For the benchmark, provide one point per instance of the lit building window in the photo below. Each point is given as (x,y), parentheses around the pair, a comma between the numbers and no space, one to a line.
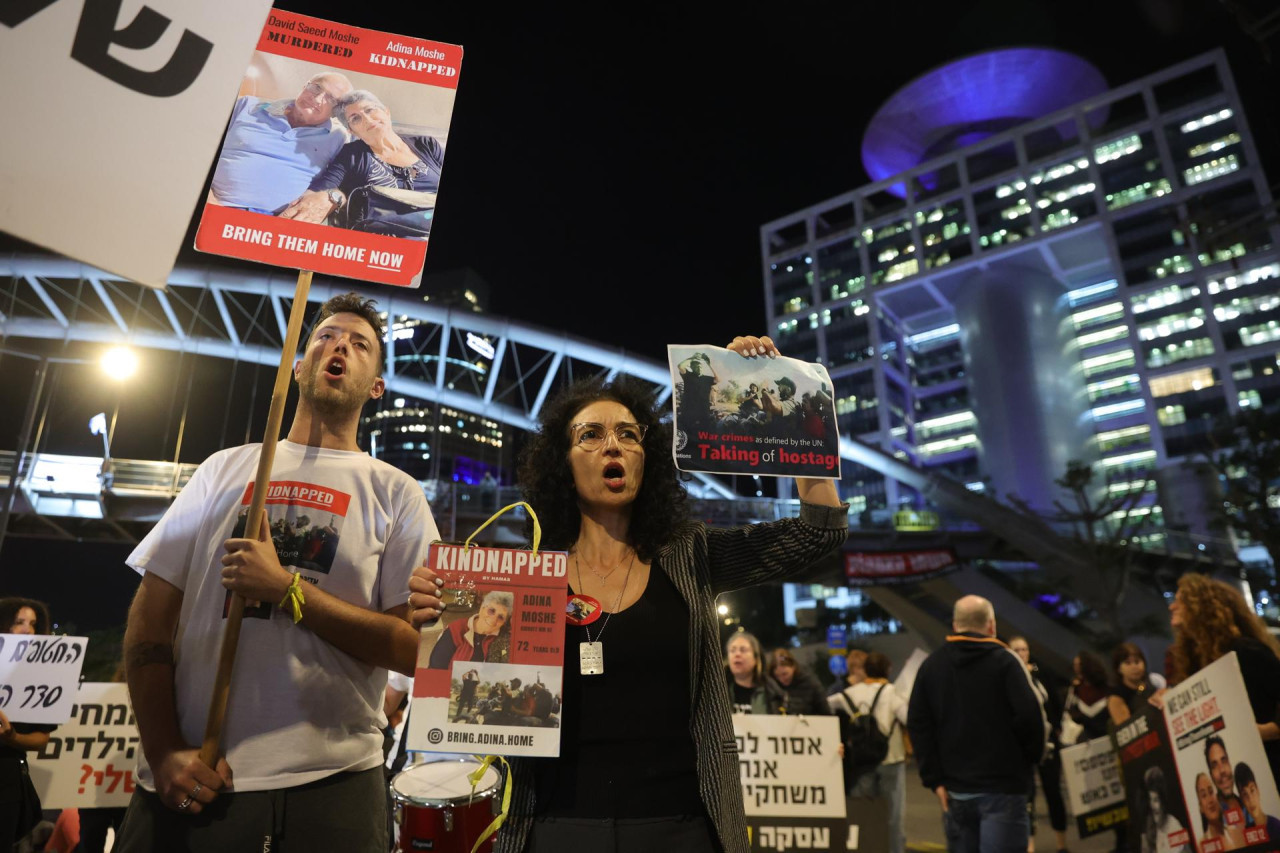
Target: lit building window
(1116,149)
(1090,292)
(1162,298)
(1108,361)
(1261,334)
(1173,353)
(1171,415)
(1098,314)
(1249,399)
(1215,146)
(1125,437)
(1172,324)
(1211,169)
(1116,410)
(945,423)
(948,445)
(1128,384)
(1244,279)
(1206,120)
(1246,305)
(1178,383)
(1102,336)
(1137,193)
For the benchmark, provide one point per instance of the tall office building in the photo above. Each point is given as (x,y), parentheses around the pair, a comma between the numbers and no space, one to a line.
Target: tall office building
(1045,269)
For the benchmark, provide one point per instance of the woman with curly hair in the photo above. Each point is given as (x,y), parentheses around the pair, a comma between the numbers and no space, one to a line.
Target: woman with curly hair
(647,751)
(1210,619)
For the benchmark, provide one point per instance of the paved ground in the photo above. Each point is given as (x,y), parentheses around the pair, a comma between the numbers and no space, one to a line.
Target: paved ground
(924,824)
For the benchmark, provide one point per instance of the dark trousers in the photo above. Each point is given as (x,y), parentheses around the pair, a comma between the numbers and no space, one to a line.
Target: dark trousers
(988,823)
(627,835)
(344,813)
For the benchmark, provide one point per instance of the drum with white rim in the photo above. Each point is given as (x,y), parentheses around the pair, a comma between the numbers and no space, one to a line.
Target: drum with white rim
(436,808)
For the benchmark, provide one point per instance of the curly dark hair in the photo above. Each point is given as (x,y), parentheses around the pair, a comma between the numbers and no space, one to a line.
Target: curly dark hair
(1092,670)
(9,608)
(1214,614)
(546,480)
(365,309)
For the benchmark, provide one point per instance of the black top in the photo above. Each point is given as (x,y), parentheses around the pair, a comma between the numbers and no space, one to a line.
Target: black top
(625,749)
(11,759)
(1134,699)
(1260,670)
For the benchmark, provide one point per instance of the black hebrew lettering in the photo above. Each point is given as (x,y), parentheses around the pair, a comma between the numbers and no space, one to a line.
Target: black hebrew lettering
(84,714)
(97,32)
(111,709)
(8,694)
(51,749)
(133,741)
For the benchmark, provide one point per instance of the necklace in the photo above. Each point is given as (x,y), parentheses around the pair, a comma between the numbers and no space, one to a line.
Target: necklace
(577,558)
(591,653)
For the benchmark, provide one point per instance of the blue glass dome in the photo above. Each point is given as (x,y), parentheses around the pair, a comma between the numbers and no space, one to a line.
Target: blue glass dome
(968,100)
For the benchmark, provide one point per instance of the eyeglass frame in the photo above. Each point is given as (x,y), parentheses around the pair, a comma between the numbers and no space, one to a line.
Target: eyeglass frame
(322,95)
(611,431)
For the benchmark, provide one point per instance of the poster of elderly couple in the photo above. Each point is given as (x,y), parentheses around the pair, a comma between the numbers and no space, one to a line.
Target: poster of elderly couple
(333,152)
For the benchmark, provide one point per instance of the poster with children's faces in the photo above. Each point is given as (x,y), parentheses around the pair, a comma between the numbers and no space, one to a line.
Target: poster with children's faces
(759,416)
(1225,778)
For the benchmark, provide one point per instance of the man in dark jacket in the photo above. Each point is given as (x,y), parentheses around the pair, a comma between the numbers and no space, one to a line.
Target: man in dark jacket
(978,731)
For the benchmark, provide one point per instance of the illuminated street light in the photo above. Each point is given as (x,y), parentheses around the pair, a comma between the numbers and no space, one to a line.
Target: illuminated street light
(119,362)
(723,610)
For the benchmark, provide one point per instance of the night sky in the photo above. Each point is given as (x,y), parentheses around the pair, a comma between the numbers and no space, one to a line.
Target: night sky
(609,177)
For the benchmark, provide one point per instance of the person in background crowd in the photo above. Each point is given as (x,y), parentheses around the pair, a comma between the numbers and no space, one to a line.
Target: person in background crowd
(1051,765)
(855,662)
(889,780)
(804,692)
(1211,824)
(1133,684)
(1251,797)
(1210,619)
(1159,824)
(752,690)
(1086,705)
(19,803)
(978,730)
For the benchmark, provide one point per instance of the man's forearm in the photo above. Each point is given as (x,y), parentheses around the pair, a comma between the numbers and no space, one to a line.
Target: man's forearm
(378,639)
(149,673)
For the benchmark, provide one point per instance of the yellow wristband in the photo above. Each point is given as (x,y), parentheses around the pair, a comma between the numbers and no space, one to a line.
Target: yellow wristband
(294,599)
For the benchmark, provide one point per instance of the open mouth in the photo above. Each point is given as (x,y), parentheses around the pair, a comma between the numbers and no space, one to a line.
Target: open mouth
(615,476)
(335,368)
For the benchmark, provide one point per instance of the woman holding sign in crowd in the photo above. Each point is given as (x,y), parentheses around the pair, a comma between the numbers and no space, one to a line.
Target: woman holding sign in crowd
(648,758)
(19,803)
(1211,619)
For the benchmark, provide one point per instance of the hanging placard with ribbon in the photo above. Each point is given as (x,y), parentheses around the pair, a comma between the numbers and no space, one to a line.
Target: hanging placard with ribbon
(489,675)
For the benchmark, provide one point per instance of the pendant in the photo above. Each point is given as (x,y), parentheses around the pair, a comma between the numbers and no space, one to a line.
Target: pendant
(591,658)
(582,609)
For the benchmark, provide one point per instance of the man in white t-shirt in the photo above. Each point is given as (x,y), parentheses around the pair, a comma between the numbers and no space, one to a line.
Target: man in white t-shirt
(303,726)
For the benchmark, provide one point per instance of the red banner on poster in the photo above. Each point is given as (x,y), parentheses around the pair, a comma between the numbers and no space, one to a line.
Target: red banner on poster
(870,569)
(333,154)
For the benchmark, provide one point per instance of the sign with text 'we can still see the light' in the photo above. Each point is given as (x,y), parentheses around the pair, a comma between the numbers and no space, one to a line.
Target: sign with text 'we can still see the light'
(334,151)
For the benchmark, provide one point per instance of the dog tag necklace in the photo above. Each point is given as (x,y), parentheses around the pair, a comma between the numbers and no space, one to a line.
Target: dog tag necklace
(591,653)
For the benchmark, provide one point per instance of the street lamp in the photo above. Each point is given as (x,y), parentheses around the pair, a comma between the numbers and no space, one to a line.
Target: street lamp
(118,362)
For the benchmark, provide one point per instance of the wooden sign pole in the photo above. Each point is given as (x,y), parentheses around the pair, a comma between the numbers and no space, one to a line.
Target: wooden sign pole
(253,522)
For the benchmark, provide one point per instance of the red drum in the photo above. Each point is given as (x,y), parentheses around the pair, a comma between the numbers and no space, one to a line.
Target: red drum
(436,810)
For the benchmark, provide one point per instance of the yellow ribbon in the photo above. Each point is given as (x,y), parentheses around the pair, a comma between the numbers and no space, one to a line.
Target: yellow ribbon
(475,777)
(537,528)
(294,599)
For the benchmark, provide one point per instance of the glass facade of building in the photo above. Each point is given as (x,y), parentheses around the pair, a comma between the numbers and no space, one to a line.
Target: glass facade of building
(1150,216)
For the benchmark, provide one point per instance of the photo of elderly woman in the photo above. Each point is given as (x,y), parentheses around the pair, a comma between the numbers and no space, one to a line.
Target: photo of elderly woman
(479,636)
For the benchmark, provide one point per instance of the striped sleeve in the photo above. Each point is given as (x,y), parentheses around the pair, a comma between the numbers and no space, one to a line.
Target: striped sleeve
(757,553)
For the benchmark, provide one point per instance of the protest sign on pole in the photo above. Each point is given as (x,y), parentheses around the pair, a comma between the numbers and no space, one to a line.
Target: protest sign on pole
(38,676)
(792,781)
(89,760)
(759,416)
(1095,792)
(126,116)
(506,606)
(1221,763)
(1157,815)
(309,181)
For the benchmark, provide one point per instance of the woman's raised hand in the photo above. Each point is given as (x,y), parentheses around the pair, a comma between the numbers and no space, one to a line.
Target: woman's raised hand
(750,346)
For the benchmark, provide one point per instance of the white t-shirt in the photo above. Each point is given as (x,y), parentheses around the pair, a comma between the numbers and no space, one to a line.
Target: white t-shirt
(300,709)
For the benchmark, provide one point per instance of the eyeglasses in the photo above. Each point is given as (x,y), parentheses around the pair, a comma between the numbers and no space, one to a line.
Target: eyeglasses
(592,436)
(323,97)
(495,614)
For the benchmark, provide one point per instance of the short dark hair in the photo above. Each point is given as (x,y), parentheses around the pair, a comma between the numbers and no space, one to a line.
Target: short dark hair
(1208,744)
(1123,652)
(364,308)
(546,480)
(1244,776)
(877,665)
(9,608)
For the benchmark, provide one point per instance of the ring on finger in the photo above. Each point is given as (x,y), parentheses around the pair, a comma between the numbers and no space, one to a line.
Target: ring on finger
(195,792)
(185,803)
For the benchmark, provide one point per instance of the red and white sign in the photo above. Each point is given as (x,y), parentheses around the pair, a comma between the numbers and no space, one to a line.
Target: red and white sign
(288,147)
(869,569)
(89,760)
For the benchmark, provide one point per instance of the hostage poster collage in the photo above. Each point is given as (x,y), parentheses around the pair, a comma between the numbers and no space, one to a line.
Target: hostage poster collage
(1195,774)
(333,154)
(761,416)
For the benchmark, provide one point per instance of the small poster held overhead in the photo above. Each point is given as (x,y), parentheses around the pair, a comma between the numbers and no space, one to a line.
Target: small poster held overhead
(759,416)
(333,156)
